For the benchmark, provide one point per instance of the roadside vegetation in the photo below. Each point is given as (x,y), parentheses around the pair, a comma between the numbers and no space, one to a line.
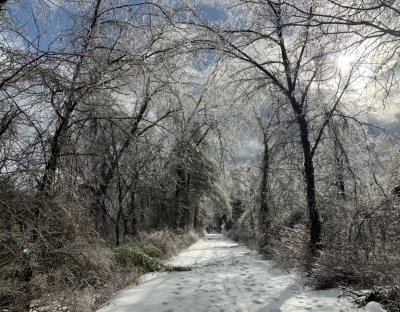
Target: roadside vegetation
(68,265)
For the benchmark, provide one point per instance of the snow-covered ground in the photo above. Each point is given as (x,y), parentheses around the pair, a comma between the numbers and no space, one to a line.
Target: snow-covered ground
(225,277)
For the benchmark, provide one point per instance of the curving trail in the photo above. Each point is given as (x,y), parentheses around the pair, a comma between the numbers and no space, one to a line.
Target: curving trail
(225,277)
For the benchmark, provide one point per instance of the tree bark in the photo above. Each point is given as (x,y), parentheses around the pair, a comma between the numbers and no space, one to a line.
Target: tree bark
(313,214)
(264,207)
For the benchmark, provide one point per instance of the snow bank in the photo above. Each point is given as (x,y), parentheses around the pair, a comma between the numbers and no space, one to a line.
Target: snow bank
(374,307)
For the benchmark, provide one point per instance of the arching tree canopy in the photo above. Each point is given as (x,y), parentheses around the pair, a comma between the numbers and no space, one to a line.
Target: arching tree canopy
(273,121)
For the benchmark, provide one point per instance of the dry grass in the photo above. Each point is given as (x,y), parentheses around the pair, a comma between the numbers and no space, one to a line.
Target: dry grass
(171,243)
(52,258)
(57,259)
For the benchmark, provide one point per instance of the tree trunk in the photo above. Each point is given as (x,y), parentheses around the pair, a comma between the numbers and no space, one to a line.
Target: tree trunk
(339,166)
(117,226)
(182,195)
(314,219)
(196,217)
(130,218)
(117,235)
(264,207)
(57,143)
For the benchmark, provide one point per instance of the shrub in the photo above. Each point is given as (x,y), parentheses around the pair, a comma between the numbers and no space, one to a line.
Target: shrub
(389,297)
(54,255)
(151,251)
(350,266)
(170,243)
(51,256)
(145,256)
(340,267)
(244,230)
(290,248)
(152,248)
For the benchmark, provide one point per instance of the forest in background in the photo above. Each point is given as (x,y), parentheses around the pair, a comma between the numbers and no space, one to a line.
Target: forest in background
(128,126)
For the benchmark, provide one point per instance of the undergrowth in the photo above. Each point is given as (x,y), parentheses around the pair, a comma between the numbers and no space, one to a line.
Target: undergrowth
(147,257)
(53,259)
(389,297)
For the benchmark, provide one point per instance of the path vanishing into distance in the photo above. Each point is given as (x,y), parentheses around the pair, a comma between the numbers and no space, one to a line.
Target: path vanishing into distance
(225,277)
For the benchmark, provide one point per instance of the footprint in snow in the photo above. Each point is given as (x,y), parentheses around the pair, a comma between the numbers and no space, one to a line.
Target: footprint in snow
(165,303)
(248,289)
(169,310)
(257,301)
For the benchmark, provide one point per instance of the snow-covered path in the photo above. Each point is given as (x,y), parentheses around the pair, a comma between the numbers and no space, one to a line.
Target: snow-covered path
(225,277)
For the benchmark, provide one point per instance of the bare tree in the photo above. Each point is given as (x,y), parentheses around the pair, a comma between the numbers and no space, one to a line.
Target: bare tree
(296,62)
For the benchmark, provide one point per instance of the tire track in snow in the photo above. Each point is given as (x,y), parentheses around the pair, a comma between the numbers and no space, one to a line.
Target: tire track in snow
(225,277)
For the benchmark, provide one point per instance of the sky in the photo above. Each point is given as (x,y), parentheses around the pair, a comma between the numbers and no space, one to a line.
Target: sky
(47,30)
